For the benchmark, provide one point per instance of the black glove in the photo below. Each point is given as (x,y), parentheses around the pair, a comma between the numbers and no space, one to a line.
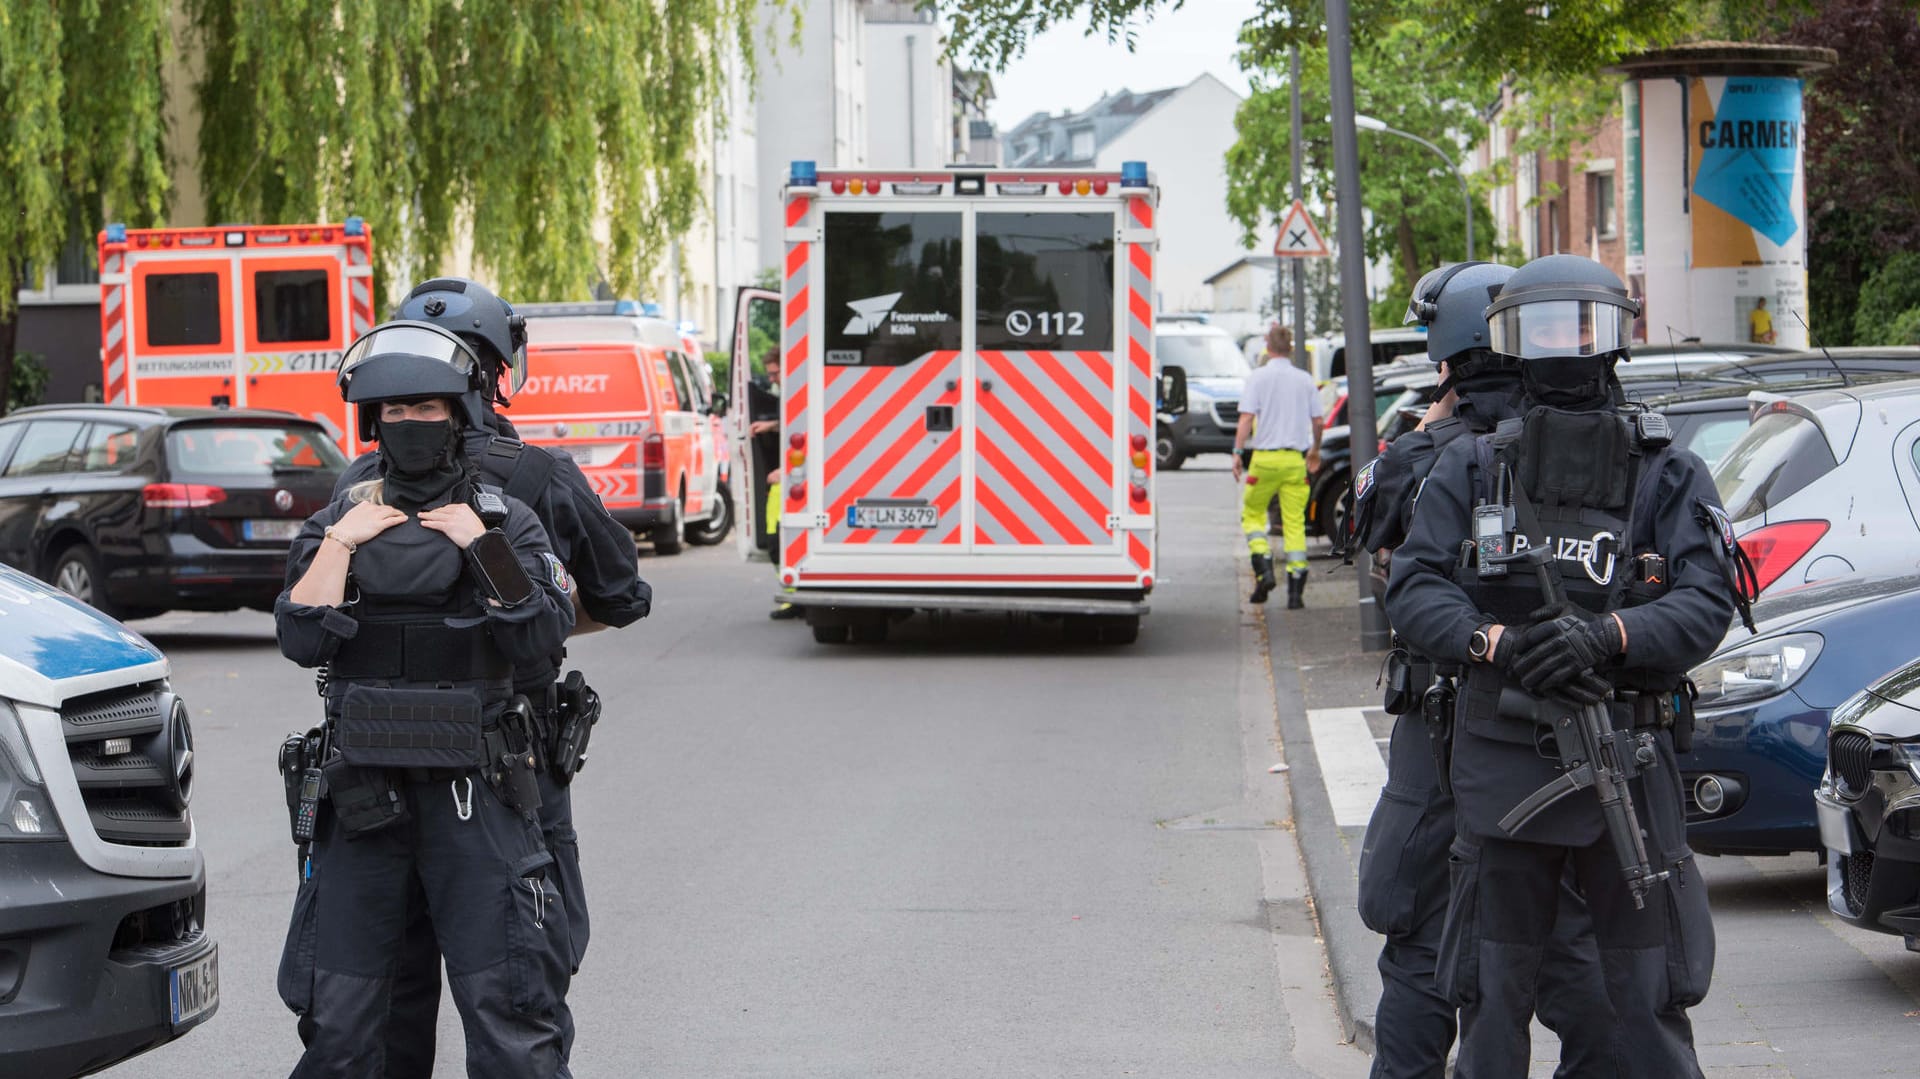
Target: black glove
(1553,656)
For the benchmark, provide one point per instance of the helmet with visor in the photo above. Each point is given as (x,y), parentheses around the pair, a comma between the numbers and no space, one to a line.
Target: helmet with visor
(1562,306)
(410,361)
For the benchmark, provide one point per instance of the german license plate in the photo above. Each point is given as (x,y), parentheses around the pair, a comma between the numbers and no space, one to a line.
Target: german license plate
(271,528)
(893,515)
(194,988)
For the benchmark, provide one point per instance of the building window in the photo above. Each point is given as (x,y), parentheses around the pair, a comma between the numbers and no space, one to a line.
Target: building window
(1600,206)
(1083,144)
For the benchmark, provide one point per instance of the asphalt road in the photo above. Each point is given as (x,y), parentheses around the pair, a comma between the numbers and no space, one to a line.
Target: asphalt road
(971,851)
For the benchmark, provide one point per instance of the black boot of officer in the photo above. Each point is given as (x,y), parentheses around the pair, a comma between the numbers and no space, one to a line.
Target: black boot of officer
(1619,509)
(420,615)
(1403,862)
(599,556)
(1263,579)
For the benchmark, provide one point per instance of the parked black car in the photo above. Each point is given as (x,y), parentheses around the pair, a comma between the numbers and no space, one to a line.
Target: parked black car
(143,510)
(1868,806)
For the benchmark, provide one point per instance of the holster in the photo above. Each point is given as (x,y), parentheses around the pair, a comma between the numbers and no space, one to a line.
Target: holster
(1401,696)
(511,757)
(364,799)
(573,711)
(1436,707)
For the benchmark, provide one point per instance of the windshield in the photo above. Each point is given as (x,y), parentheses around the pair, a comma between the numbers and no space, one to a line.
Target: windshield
(1203,355)
(1711,435)
(252,450)
(1780,454)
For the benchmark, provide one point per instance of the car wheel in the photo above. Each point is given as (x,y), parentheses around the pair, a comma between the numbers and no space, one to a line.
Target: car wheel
(1166,454)
(77,573)
(872,631)
(1120,629)
(715,528)
(835,633)
(667,537)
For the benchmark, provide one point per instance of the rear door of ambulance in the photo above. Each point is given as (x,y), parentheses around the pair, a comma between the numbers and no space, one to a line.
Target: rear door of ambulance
(594,400)
(980,366)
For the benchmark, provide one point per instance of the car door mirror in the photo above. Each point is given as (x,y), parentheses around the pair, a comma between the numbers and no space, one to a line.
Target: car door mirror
(717,406)
(1173,390)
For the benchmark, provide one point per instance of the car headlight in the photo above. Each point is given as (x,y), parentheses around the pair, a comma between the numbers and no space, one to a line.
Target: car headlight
(25,811)
(1756,671)
(1909,754)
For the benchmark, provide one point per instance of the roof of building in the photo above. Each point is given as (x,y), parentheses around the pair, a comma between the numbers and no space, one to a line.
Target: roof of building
(1106,118)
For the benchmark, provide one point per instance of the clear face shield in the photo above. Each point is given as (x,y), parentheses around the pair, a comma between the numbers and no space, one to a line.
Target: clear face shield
(418,339)
(513,376)
(1546,329)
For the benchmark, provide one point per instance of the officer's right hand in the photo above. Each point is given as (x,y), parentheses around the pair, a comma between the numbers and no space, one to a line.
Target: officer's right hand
(365,521)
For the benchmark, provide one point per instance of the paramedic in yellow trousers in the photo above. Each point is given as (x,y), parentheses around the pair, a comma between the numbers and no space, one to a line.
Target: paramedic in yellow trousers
(1275,448)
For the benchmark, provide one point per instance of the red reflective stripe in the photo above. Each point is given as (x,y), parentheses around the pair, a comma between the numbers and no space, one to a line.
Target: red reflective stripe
(797,307)
(1028,493)
(1142,411)
(1141,309)
(796,550)
(989,503)
(796,259)
(1051,416)
(878,471)
(796,404)
(944,502)
(796,209)
(796,356)
(1142,211)
(1142,554)
(1082,498)
(1035,578)
(1096,410)
(886,414)
(864,381)
(1141,258)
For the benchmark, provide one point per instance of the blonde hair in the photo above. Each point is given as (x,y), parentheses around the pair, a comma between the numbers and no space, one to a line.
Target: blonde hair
(1279,340)
(373,491)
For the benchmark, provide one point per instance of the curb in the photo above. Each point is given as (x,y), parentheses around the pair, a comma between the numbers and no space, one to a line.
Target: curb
(1352,948)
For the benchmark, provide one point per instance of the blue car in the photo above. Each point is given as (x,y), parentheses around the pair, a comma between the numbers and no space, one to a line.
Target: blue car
(1760,724)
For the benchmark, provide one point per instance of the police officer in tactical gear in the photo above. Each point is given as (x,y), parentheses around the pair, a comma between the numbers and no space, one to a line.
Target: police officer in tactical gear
(1626,537)
(1403,862)
(599,556)
(419,592)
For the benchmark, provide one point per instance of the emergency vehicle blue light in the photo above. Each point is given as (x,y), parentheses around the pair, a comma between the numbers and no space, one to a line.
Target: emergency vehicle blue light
(355,226)
(116,233)
(1133,174)
(626,307)
(804,174)
(650,309)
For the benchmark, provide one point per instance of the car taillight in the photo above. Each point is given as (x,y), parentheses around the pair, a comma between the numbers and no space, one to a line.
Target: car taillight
(181,496)
(1775,548)
(653,451)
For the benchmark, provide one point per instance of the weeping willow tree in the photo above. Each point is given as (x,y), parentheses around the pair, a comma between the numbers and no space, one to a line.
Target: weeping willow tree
(82,131)
(520,124)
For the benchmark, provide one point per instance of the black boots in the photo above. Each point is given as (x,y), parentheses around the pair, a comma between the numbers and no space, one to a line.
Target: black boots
(1296,589)
(1263,582)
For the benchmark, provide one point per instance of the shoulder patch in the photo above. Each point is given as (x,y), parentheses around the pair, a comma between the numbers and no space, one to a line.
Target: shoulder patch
(557,573)
(1363,482)
(1716,520)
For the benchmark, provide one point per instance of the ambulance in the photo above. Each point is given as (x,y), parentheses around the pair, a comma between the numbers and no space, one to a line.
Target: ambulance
(235,316)
(620,393)
(966,407)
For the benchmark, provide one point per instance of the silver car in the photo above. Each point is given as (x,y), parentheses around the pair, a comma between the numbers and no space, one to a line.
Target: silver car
(1826,484)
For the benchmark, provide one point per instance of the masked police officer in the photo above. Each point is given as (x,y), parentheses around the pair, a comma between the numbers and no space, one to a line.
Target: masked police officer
(1641,562)
(419,592)
(1403,863)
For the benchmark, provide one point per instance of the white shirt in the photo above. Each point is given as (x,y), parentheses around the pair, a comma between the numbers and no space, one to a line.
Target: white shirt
(1284,402)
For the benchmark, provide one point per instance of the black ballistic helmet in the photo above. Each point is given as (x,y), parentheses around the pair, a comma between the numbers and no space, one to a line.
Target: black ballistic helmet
(1451,302)
(409,361)
(487,322)
(1562,306)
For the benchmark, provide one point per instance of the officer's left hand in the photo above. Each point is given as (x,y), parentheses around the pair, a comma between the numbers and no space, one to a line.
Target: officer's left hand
(456,521)
(1556,653)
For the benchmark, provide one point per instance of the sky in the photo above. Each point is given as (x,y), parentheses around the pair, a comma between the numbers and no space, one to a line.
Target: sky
(1065,69)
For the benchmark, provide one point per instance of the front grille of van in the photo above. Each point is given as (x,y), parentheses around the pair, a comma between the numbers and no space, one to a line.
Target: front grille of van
(132,754)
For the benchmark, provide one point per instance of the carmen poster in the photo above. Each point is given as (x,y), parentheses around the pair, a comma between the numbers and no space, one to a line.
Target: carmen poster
(1745,141)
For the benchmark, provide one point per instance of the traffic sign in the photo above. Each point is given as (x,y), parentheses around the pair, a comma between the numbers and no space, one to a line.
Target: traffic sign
(1299,236)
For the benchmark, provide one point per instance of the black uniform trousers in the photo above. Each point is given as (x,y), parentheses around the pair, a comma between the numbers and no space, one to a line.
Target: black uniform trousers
(416,988)
(1502,917)
(490,909)
(1403,896)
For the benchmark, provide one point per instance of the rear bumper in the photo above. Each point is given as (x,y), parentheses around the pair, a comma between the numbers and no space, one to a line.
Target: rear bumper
(644,516)
(80,988)
(1195,432)
(1128,603)
(183,571)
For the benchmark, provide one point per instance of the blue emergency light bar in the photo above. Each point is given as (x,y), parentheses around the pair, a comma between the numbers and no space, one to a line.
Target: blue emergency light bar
(357,226)
(803,174)
(1133,174)
(116,233)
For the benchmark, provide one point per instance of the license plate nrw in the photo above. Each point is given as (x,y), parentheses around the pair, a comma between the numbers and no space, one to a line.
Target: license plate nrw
(194,988)
(893,515)
(279,529)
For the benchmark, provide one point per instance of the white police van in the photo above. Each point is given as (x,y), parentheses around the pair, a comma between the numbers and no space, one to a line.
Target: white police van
(103,947)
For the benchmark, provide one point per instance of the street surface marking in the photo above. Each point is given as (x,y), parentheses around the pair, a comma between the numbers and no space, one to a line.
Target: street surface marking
(1350,762)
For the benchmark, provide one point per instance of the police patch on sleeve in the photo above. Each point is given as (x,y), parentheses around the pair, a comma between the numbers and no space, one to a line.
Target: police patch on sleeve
(1718,521)
(1363,483)
(557,572)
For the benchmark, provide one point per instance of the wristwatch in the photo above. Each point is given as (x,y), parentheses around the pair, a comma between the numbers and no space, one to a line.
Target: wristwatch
(1480,644)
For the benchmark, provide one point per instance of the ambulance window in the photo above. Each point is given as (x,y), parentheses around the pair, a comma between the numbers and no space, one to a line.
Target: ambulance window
(696,395)
(292,305)
(678,373)
(183,309)
(44,449)
(892,287)
(1045,281)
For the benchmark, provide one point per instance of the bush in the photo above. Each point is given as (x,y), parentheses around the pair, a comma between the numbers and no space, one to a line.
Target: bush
(1889,309)
(29,381)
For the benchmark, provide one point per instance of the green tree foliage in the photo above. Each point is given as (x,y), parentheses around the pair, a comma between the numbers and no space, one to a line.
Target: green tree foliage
(520,123)
(28,382)
(81,131)
(1889,309)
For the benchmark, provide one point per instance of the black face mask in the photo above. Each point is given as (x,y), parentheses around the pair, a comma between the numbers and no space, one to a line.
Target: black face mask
(419,460)
(1569,382)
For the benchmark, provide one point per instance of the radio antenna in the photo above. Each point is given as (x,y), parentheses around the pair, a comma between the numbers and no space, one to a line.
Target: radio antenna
(1844,380)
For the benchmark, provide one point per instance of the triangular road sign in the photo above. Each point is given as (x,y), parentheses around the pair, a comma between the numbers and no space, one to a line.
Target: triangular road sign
(1299,236)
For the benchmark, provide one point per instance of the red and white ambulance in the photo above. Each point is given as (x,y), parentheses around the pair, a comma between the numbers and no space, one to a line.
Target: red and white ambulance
(235,316)
(966,411)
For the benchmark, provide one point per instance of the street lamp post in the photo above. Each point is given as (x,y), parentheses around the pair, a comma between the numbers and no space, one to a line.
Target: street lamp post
(1371,124)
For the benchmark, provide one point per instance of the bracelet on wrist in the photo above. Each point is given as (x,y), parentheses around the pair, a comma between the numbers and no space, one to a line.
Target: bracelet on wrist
(336,537)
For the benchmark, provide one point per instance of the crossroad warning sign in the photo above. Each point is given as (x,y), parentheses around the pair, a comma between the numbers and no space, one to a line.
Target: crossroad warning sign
(1299,236)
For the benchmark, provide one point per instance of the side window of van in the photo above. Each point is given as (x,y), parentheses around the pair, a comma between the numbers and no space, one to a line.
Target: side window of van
(686,383)
(682,401)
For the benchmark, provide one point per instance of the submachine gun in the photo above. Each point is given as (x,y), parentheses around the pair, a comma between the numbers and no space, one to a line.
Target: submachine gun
(1591,752)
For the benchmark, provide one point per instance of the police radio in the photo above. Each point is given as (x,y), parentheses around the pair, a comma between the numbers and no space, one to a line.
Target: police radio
(1493,531)
(489,507)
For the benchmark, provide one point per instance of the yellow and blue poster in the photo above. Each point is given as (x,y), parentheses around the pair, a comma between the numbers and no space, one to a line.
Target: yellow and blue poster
(1748,205)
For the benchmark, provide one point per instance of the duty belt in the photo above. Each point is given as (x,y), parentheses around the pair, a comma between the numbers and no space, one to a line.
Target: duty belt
(419,652)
